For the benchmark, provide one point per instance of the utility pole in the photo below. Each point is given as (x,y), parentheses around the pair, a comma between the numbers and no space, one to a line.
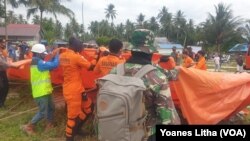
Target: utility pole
(5,20)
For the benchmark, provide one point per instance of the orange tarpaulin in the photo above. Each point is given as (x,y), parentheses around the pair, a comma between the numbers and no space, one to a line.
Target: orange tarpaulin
(247,60)
(23,73)
(209,97)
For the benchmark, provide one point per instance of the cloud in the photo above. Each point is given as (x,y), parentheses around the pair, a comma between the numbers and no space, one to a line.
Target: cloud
(130,9)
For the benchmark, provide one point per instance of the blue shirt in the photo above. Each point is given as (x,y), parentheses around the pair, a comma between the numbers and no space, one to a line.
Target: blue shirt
(47,65)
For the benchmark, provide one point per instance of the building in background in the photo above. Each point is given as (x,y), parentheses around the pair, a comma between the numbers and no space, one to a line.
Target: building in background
(22,32)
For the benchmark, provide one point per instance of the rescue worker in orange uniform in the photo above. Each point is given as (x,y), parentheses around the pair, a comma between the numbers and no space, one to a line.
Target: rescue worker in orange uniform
(78,107)
(106,63)
(187,60)
(201,64)
(167,62)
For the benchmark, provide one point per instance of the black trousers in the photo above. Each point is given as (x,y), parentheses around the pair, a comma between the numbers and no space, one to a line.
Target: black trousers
(4,87)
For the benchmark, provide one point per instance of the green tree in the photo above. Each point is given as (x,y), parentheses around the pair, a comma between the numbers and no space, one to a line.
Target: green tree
(94,28)
(49,30)
(58,30)
(2,9)
(120,30)
(179,26)
(11,17)
(110,12)
(244,29)
(68,32)
(21,20)
(49,6)
(36,19)
(140,19)
(221,27)
(103,40)
(165,19)
(129,28)
(153,25)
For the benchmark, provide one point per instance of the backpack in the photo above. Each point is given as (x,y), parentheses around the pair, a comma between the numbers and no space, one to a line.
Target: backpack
(120,110)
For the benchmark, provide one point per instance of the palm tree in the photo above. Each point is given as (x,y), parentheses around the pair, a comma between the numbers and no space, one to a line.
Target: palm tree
(120,31)
(129,28)
(179,24)
(13,3)
(153,25)
(2,10)
(68,31)
(165,19)
(21,20)
(48,6)
(222,24)
(140,20)
(11,17)
(245,31)
(36,19)
(94,28)
(58,30)
(110,12)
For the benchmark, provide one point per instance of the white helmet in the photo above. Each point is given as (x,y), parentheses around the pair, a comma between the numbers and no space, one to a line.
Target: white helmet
(39,48)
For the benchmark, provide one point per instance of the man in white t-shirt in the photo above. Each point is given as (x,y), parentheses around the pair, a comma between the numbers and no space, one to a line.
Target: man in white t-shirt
(217,62)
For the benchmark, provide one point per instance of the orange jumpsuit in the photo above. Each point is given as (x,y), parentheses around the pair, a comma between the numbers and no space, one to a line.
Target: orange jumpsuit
(106,63)
(201,64)
(188,61)
(71,64)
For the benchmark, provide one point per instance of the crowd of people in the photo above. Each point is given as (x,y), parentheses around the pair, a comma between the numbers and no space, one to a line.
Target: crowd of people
(159,104)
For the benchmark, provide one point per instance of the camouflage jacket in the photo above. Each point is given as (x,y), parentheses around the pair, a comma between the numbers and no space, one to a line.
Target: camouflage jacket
(158,100)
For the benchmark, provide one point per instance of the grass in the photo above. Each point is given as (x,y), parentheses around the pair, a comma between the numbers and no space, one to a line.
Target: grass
(20,100)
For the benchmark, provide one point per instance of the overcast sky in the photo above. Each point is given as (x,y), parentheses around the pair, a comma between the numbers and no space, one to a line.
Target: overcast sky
(130,9)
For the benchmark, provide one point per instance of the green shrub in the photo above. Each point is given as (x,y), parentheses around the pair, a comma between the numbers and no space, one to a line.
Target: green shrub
(103,41)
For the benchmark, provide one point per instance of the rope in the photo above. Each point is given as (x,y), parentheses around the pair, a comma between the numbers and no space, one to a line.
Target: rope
(58,86)
(33,109)
(16,83)
(11,108)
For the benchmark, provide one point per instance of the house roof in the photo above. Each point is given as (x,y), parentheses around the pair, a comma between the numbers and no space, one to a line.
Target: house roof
(239,48)
(21,30)
(169,46)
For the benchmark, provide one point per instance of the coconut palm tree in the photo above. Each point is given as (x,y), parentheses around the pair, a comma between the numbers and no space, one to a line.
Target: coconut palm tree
(36,19)
(48,6)
(110,12)
(2,10)
(129,28)
(140,19)
(245,30)
(153,25)
(222,25)
(11,17)
(94,28)
(179,24)
(165,19)
(21,20)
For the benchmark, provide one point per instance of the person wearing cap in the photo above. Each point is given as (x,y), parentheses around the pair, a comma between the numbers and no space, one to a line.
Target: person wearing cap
(158,100)
(41,87)
(78,108)
(106,63)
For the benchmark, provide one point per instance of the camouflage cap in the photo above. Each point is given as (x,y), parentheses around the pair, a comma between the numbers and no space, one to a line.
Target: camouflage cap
(143,37)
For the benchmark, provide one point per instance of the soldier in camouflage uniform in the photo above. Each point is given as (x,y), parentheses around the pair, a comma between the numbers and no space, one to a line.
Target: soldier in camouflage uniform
(159,103)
